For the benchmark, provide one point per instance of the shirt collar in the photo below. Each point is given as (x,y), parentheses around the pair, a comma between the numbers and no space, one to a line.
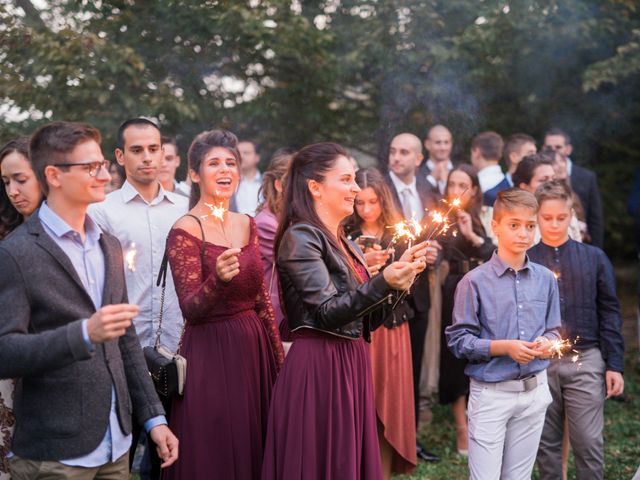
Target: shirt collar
(490,170)
(129,192)
(431,164)
(560,247)
(400,185)
(60,228)
(500,267)
(569,166)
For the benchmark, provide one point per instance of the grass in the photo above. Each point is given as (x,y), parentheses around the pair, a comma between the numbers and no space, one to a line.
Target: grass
(622,419)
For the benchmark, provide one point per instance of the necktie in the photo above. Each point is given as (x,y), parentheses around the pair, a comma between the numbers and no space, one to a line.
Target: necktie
(405,196)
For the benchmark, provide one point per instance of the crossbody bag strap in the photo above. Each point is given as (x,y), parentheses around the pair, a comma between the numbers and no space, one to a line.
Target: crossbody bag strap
(162,281)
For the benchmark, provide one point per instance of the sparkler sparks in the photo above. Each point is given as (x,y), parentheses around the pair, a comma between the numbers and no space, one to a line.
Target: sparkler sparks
(564,346)
(130,256)
(217,211)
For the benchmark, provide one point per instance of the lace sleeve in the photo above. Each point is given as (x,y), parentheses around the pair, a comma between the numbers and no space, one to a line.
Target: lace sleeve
(268,319)
(195,293)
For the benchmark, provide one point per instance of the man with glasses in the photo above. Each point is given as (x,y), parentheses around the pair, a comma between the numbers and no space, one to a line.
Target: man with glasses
(140,215)
(66,325)
(583,181)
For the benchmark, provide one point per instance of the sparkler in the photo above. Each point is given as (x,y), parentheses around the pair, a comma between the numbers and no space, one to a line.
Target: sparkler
(412,229)
(217,211)
(130,256)
(564,346)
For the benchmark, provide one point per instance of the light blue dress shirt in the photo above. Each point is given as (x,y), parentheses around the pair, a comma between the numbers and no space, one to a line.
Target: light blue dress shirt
(494,302)
(88,260)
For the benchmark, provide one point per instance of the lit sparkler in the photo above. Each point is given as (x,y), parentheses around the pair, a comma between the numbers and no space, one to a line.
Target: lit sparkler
(217,211)
(130,256)
(560,347)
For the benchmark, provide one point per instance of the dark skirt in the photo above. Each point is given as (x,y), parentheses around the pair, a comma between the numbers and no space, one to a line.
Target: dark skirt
(453,382)
(322,422)
(221,419)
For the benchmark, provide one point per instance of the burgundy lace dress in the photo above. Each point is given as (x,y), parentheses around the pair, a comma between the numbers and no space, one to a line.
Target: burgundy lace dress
(233,351)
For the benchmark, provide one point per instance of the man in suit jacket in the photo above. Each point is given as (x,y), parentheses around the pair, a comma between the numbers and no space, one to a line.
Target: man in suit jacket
(66,328)
(412,195)
(583,181)
(439,144)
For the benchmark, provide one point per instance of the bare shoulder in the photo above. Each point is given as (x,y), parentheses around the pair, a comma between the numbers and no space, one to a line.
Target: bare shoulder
(189,225)
(240,219)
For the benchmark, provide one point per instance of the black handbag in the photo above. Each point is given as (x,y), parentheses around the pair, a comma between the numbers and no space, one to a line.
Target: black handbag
(168,370)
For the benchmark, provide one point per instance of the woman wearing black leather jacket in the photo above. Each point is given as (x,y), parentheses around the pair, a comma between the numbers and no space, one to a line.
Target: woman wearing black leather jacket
(322,422)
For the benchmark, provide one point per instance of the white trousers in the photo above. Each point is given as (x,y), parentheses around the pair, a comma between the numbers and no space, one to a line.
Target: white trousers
(505,429)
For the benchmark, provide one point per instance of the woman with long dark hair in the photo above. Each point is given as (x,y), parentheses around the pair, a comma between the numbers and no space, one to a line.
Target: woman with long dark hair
(230,341)
(20,196)
(465,246)
(322,422)
(390,346)
(267,223)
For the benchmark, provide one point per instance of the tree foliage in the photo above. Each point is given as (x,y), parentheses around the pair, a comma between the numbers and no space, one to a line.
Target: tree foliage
(290,72)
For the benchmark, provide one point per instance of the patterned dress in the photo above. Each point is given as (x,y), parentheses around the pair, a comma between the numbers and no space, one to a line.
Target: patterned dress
(233,352)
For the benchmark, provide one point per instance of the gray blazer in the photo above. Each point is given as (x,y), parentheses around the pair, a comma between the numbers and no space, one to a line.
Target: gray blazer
(63,394)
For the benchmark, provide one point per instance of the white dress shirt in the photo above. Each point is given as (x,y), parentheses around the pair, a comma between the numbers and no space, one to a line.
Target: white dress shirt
(247,198)
(489,177)
(441,184)
(414,205)
(130,218)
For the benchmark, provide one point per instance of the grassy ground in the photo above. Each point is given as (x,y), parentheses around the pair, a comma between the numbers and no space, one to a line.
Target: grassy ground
(622,419)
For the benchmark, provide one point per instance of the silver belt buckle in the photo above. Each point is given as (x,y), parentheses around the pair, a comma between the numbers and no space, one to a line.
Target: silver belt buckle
(530,383)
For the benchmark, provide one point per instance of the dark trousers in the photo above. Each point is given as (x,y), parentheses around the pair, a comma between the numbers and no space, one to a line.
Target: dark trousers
(418,333)
(137,432)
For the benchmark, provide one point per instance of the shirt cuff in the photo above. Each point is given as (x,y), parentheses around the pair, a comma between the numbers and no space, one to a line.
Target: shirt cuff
(85,335)
(154,422)
(482,349)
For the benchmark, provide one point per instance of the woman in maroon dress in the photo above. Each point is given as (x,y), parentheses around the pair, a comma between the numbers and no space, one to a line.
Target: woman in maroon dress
(322,422)
(231,341)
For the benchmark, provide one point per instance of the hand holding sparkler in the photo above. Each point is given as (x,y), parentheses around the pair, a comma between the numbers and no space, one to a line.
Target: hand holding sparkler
(519,350)
(399,275)
(228,265)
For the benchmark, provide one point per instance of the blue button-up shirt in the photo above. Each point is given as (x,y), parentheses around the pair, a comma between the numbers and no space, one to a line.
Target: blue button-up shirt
(88,260)
(494,302)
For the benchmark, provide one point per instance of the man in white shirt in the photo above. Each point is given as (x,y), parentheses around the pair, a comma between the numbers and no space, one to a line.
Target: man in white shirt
(140,215)
(247,197)
(439,144)
(486,151)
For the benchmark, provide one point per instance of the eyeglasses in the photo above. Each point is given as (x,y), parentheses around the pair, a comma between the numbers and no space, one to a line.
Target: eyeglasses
(93,167)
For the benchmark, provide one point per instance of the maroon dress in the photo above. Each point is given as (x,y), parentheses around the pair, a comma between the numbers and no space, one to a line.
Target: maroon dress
(322,423)
(233,351)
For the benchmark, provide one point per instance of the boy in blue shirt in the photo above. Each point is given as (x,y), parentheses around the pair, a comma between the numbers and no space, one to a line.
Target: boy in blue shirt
(506,313)
(590,317)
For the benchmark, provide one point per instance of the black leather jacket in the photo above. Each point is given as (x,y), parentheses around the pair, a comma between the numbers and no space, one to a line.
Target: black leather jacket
(321,292)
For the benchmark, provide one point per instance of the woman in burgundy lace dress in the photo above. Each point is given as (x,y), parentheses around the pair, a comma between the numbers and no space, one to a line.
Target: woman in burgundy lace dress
(231,340)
